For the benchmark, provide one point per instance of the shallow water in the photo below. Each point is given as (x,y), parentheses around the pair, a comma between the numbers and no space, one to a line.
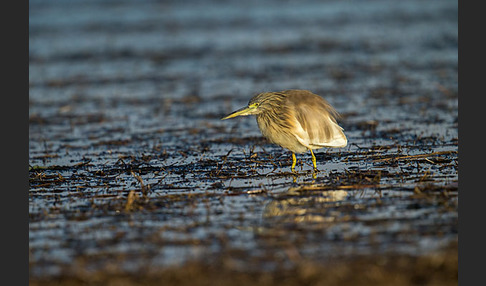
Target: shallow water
(131,167)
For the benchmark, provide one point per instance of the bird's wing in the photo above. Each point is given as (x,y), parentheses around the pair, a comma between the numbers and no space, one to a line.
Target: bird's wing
(315,127)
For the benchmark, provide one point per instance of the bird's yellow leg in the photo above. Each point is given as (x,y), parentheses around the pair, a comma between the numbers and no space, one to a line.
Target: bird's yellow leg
(294,161)
(314,161)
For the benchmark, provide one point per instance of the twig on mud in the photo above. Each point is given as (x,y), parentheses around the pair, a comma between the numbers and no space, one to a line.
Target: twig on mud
(81,164)
(363,186)
(225,158)
(344,187)
(142,185)
(418,156)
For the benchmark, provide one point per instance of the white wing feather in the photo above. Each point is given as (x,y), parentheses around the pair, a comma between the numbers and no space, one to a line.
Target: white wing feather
(337,138)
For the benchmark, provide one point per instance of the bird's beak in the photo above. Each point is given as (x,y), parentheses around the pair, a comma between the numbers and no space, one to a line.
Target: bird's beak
(240,112)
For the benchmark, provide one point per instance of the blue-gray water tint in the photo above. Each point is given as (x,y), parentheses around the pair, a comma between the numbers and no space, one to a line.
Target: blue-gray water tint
(113,81)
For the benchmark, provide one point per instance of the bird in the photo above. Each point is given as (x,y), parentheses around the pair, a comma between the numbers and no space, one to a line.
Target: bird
(295,119)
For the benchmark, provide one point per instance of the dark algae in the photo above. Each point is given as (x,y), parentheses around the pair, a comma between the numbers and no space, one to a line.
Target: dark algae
(135,180)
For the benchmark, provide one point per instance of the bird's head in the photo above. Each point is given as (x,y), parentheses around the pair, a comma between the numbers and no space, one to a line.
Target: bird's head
(260,103)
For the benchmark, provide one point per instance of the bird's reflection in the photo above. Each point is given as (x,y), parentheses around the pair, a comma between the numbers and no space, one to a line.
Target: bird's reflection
(311,203)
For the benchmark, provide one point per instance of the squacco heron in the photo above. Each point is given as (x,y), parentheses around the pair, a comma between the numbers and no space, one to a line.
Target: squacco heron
(298,120)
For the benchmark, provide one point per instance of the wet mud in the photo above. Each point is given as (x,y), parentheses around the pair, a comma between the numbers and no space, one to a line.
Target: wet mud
(134,179)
